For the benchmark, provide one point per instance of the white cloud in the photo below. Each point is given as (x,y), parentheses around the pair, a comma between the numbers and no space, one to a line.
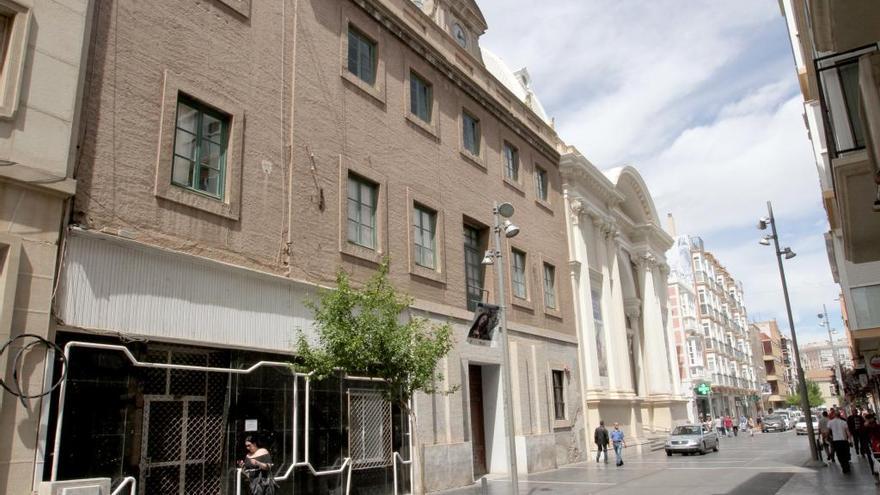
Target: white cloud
(702,97)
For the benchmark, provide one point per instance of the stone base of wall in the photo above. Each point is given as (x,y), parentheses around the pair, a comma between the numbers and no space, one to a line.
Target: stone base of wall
(447,466)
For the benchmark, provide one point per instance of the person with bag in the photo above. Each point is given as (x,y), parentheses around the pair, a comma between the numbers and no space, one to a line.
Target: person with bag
(601,438)
(257,466)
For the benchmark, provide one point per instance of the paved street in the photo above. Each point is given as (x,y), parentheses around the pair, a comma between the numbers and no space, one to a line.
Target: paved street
(772,463)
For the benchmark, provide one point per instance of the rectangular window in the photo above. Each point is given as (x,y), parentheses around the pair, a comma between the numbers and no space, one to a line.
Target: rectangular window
(470,133)
(518,278)
(362,199)
(200,140)
(541,183)
(559,394)
(361,56)
(424,236)
(473,266)
(549,285)
(511,162)
(420,97)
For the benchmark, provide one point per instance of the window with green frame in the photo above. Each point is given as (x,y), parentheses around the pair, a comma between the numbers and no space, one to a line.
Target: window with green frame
(511,162)
(549,285)
(200,140)
(424,236)
(362,199)
(470,133)
(361,56)
(518,270)
(420,97)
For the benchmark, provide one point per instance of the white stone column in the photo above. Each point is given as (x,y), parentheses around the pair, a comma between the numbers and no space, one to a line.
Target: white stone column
(580,280)
(656,355)
(622,376)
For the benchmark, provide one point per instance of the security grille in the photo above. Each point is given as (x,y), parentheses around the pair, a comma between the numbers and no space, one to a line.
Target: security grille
(184,415)
(369,435)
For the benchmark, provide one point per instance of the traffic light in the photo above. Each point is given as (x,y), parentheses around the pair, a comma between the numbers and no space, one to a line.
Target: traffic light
(485,320)
(703,389)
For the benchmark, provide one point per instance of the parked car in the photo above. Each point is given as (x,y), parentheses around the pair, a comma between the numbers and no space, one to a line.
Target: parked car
(801,427)
(774,422)
(786,418)
(690,439)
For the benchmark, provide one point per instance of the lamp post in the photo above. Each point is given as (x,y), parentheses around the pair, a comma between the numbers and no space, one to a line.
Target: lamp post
(827,324)
(492,256)
(788,254)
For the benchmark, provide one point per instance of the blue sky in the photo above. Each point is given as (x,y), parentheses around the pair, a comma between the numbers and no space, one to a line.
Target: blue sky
(704,102)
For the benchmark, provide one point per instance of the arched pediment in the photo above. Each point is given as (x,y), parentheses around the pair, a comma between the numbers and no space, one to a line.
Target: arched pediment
(469,12)
(637,203)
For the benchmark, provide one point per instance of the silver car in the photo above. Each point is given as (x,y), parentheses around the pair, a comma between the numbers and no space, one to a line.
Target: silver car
(690,439)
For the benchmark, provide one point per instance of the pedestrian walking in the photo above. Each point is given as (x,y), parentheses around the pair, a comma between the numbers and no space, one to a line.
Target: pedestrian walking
(743,424)
(871,431)
(257,466)
(854,423)
(601,438)
(841,439)
(719,426)
(618,442)
(750,425)
(728,425)
(824,440)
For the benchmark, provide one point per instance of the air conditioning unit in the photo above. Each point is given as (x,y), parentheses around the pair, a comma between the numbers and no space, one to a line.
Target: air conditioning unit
(91,486)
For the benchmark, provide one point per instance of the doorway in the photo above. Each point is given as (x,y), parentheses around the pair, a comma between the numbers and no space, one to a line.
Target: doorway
(478,430)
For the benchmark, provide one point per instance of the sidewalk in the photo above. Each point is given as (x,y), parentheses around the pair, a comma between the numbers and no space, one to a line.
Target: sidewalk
(768,464)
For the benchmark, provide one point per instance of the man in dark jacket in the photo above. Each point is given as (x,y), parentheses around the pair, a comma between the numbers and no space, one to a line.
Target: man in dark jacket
(855,422)
(601,438)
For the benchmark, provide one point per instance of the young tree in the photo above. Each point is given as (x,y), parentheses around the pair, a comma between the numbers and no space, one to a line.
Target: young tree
(814,395)
(364,331)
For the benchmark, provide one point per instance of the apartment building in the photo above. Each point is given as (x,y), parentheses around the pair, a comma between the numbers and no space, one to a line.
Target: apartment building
(238,154)
(712,334)
(777,371)
(836,47)
(618,268)
(42,65)
(823,355)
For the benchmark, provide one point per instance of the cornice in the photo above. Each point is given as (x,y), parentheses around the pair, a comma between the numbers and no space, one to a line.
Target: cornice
(578,171)
(378,10)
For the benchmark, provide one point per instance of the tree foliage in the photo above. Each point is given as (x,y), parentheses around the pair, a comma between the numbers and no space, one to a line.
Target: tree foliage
(814,394)
(364,331)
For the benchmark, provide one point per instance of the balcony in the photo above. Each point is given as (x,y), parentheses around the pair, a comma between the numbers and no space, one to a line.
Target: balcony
(850,105)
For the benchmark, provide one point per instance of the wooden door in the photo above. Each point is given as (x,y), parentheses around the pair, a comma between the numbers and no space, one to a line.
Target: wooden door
(478,436)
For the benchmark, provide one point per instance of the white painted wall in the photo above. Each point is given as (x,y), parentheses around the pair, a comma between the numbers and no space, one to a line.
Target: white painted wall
(493,420)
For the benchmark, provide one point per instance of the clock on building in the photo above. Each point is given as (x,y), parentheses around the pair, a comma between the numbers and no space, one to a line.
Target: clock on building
(459,34)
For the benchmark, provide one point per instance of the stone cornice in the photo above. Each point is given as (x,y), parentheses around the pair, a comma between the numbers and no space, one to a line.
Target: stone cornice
(577,170)
(384,13)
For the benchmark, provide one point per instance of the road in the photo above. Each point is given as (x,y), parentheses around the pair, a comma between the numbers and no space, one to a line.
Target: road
(766,464)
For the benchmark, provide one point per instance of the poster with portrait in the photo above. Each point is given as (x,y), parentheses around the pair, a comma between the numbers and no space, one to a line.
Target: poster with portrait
(483,325)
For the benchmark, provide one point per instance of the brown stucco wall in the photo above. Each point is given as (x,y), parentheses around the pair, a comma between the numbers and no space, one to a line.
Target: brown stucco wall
(299,112)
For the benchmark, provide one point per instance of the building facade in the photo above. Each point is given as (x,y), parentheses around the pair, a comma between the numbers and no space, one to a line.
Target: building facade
(836,47)
(824,355)
(43,65)
(777,371)
(238,154)
(618,269)
(712,335)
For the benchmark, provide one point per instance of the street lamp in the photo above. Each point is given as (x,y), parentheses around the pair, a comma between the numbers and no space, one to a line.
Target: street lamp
(827,324)
(788,254)
(510,230)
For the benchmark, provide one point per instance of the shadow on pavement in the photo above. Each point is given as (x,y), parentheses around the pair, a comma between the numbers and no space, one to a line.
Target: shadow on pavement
(762,484)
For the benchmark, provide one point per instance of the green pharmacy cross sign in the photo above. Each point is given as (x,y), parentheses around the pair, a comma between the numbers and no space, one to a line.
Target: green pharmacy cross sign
(703,389)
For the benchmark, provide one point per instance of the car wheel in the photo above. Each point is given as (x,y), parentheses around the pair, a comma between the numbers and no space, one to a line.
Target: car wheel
(715,448)
(703,449)
(669,453)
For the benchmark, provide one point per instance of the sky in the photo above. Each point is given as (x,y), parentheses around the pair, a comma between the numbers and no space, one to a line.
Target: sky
(704,102)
